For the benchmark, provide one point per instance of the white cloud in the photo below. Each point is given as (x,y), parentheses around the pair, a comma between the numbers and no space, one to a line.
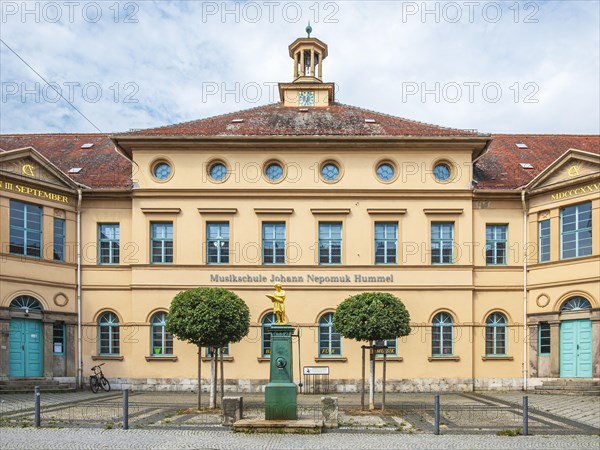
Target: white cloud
(378,52)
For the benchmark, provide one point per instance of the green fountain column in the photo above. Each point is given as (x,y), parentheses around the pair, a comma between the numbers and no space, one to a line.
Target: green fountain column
(280,393)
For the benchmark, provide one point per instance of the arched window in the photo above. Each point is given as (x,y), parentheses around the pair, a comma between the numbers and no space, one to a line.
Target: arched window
(576,304)
(442,335)
(108,334)
(162,340)
(330,341)
(26,302)
(495,335)
(267,322)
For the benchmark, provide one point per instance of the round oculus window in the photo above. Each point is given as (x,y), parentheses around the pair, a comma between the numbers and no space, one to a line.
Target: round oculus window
(442,172)
(274,172)
(385,171)
(218,171)
(162,171)
(330,172)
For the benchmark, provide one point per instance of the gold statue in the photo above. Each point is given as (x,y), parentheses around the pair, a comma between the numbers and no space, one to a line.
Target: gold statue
(278,298)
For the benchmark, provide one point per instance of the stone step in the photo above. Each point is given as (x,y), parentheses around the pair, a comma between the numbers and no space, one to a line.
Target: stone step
(24,385)
(593,393)
(28,381)
(570,381)
(569,388)
(30,391)
(278,426)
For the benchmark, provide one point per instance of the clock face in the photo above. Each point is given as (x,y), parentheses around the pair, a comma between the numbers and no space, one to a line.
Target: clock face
(306,98)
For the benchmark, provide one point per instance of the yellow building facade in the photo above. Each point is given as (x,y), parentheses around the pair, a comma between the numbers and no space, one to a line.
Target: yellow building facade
(491,241)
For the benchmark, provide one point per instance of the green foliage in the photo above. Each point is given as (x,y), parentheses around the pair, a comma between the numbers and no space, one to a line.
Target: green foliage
(509,432)
(211,317)
(372,316)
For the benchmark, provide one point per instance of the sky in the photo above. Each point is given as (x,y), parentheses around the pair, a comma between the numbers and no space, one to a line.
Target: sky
(108,66)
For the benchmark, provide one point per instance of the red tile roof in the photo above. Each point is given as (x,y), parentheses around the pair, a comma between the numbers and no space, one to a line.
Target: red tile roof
(277,120)
(500,167)
(103,167)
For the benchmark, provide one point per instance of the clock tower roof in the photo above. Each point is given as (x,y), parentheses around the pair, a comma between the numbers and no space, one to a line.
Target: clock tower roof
(307,88)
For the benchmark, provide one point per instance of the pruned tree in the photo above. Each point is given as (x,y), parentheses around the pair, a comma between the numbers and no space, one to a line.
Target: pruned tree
(208,317)
(372,316)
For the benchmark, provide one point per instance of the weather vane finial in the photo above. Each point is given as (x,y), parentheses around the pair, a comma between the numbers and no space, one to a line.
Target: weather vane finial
(308,29)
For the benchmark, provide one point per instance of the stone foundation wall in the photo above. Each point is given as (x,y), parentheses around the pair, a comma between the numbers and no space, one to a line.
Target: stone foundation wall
(336,386)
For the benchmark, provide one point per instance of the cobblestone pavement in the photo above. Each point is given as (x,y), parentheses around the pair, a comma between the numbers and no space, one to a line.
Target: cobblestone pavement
(406,413)
(31,439)
(583,409)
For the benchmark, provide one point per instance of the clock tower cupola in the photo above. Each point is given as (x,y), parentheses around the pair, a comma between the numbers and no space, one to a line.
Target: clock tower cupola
(307,88)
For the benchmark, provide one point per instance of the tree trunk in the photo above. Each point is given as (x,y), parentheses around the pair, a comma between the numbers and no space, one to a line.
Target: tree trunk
(372,378)
(222,376)
(199,377)
(213,374)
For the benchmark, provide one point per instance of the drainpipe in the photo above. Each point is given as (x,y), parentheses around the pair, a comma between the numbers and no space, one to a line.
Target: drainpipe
(525,340)
(79,349)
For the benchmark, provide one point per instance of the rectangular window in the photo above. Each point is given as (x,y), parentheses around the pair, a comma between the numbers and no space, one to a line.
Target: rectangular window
(544,338)
(58,338)
(544,240)
(108,243)
(273,245)
(217,243)
(161,243)
(330,341)
(576,230)
(59,239)
(391,349)
(25,229)
(442,243)
(330,243)
(386,243)
(495,244)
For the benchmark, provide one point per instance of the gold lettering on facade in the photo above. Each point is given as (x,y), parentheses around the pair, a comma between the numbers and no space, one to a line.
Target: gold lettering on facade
(35,192)
(576,191)
(573,171)
(27,169)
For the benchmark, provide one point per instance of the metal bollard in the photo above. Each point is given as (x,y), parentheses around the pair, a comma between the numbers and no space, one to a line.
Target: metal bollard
(525,415)
(126,409)
(38,402)
(436,413)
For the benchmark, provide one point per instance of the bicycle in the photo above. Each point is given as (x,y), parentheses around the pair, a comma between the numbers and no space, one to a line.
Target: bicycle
(98,380)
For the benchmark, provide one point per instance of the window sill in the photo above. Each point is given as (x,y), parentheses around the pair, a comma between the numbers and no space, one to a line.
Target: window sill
(497,358)
(331,359)
(161,358)
(390,358)
(225,358)
(444,358)
(107,358)
(262,359)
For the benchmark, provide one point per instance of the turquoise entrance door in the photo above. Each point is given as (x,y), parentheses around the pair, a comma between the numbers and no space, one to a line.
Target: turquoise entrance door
(25,349)
(576,349)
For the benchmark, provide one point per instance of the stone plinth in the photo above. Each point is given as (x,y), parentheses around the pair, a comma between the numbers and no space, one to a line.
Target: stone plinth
(330,412)
(278,426)
(233,408)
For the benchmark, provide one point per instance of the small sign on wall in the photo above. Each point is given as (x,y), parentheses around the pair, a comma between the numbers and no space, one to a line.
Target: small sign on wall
(316,370)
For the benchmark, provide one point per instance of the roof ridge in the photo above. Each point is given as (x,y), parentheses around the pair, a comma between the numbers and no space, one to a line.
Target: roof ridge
(545,134)
(408,120)
(197,120)
(54,134)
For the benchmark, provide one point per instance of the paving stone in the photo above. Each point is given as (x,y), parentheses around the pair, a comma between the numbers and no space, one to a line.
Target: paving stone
(210,439)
